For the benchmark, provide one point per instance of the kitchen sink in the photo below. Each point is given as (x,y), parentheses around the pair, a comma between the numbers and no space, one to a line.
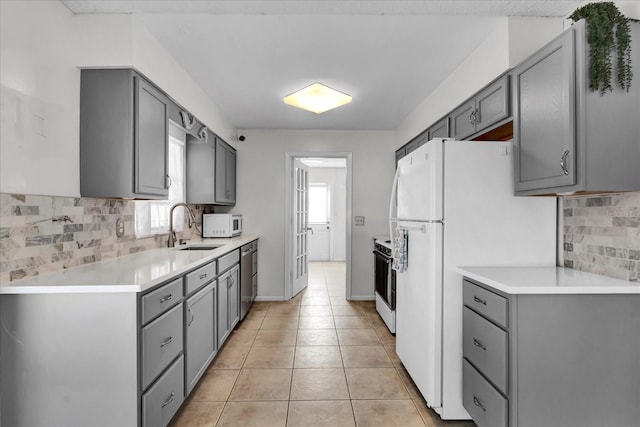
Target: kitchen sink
(199,248)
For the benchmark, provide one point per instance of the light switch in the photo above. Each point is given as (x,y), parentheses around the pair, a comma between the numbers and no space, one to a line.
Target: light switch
(359,220)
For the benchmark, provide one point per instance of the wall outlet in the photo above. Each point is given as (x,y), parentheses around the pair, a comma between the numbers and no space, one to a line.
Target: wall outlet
(359,220)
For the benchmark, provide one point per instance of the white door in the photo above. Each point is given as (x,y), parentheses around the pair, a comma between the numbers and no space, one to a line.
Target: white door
(319,242)
(300,226)
(319,221)
(419,309)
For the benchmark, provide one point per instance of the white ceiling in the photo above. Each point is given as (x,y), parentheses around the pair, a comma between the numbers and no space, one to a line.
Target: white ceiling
(389,55)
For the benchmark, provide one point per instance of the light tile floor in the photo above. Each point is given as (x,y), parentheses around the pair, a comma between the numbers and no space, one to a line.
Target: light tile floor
(317,360)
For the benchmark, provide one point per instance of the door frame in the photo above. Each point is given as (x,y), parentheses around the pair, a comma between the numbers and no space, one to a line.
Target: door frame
(288,217)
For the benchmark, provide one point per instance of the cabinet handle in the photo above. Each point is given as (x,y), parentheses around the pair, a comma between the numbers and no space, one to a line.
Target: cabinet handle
(476,116)
(479,301)
(479,344)
(479,404)
(169,400)
(168,181)
(166,298)
(563,162)
(203,276)
(228,282)
(472,118)
(166,342)
(192,316)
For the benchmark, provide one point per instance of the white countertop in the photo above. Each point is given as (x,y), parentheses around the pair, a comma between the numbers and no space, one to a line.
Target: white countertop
(130,273)
(548,280)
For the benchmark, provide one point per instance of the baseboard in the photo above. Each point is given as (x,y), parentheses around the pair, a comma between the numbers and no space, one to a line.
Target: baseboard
(267,299)
(363,298)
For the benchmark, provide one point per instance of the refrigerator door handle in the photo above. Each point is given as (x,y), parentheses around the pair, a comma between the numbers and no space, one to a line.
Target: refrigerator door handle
(393,202)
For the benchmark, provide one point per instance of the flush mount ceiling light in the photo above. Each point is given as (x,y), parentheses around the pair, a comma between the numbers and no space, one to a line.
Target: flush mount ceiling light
(317,98)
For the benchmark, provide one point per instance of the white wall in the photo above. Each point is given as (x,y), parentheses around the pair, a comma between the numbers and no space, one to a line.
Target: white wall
(42,46)
(336,178)
(261,196)
(512,40)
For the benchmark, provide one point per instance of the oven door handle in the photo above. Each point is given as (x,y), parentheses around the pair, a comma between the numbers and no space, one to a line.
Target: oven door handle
(386,258)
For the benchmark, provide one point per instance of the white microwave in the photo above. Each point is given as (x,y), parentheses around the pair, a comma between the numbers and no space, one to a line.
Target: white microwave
(221,225)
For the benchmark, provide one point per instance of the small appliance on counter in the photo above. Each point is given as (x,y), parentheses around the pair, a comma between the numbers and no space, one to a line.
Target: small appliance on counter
(221,225)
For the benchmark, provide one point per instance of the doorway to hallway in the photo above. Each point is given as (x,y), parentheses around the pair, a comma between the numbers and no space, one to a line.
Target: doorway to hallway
(318,210)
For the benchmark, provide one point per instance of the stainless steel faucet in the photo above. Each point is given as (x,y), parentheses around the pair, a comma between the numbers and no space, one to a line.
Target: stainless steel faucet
(171,242)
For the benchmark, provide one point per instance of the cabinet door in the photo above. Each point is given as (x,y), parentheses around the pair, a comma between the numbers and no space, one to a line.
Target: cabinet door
(200,170)
(544,117)
(492,104)
(440,129)
(234,297)
(151,135)
(199,324)
(462,120)
(231,176)
(223,308)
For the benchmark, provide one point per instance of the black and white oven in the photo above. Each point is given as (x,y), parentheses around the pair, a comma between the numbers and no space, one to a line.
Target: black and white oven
(385,283)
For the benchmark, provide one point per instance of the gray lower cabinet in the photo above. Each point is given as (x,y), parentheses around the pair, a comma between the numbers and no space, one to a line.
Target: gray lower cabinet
(124,130)
(200,334)
(487,108)
(228,303)
(567,138)
(109,359)
(225,173)
(532,360)
(162,400)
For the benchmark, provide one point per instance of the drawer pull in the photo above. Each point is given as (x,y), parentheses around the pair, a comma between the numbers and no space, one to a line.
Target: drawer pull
(203,276)
(479,404)
(166,298)
(192,316)
(479,344)
(166,342)
(169,400)
(479,300)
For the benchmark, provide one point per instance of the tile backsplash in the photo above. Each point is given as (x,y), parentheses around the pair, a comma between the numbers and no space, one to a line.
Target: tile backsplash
(601,234)
(42,234)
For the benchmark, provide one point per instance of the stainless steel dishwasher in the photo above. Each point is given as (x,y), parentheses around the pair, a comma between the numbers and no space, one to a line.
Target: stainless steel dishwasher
(246,278)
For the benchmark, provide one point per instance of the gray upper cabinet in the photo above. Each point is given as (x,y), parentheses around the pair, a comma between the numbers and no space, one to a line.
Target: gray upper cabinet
(201,170)
(225,174)
(487,108)
(124,128)
(439,130)
(544,116)
(566,137)
(462,121)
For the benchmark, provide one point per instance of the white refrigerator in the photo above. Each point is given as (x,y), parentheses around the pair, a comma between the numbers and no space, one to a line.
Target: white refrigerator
(455,201)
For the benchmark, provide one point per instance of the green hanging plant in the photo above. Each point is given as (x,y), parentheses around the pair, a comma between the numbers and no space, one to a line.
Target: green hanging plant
(607,29)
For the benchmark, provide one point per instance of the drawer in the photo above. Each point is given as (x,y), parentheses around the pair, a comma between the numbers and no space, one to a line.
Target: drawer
(160,402)
(227,261)
(161,343)
(200,277)
(485,404)
(160,300)
(485,345)
(485,302)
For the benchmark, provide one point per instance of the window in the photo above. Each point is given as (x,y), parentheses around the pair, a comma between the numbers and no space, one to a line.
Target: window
(152,217)
(319,203)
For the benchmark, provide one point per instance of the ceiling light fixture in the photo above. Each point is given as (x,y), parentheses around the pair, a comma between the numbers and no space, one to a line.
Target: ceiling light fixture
(317,98)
